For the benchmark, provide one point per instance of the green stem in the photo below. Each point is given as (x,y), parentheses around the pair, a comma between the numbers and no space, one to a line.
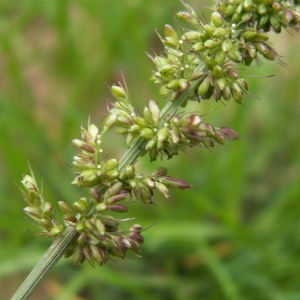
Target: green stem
(50,258)
(60,245)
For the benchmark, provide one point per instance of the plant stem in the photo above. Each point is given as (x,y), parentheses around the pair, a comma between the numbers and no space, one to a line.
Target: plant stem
(60,245)
(50,258)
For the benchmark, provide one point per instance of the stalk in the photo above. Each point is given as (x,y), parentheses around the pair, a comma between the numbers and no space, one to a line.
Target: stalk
(50,258)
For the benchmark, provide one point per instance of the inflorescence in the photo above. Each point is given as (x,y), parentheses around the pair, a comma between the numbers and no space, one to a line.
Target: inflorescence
(199,61)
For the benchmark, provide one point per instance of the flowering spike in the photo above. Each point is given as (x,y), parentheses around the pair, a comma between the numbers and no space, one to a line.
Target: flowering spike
(198,62)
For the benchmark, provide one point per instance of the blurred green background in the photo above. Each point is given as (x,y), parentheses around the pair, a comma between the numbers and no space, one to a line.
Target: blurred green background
(234,235)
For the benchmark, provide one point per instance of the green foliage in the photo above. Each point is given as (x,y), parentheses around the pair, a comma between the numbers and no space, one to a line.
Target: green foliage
(234,234)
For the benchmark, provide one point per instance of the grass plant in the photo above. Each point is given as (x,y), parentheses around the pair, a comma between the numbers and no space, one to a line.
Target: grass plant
(233,235)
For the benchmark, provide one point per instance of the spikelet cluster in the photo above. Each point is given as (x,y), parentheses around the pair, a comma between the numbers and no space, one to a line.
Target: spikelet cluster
(163,136)
(38,210)
(237,33)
